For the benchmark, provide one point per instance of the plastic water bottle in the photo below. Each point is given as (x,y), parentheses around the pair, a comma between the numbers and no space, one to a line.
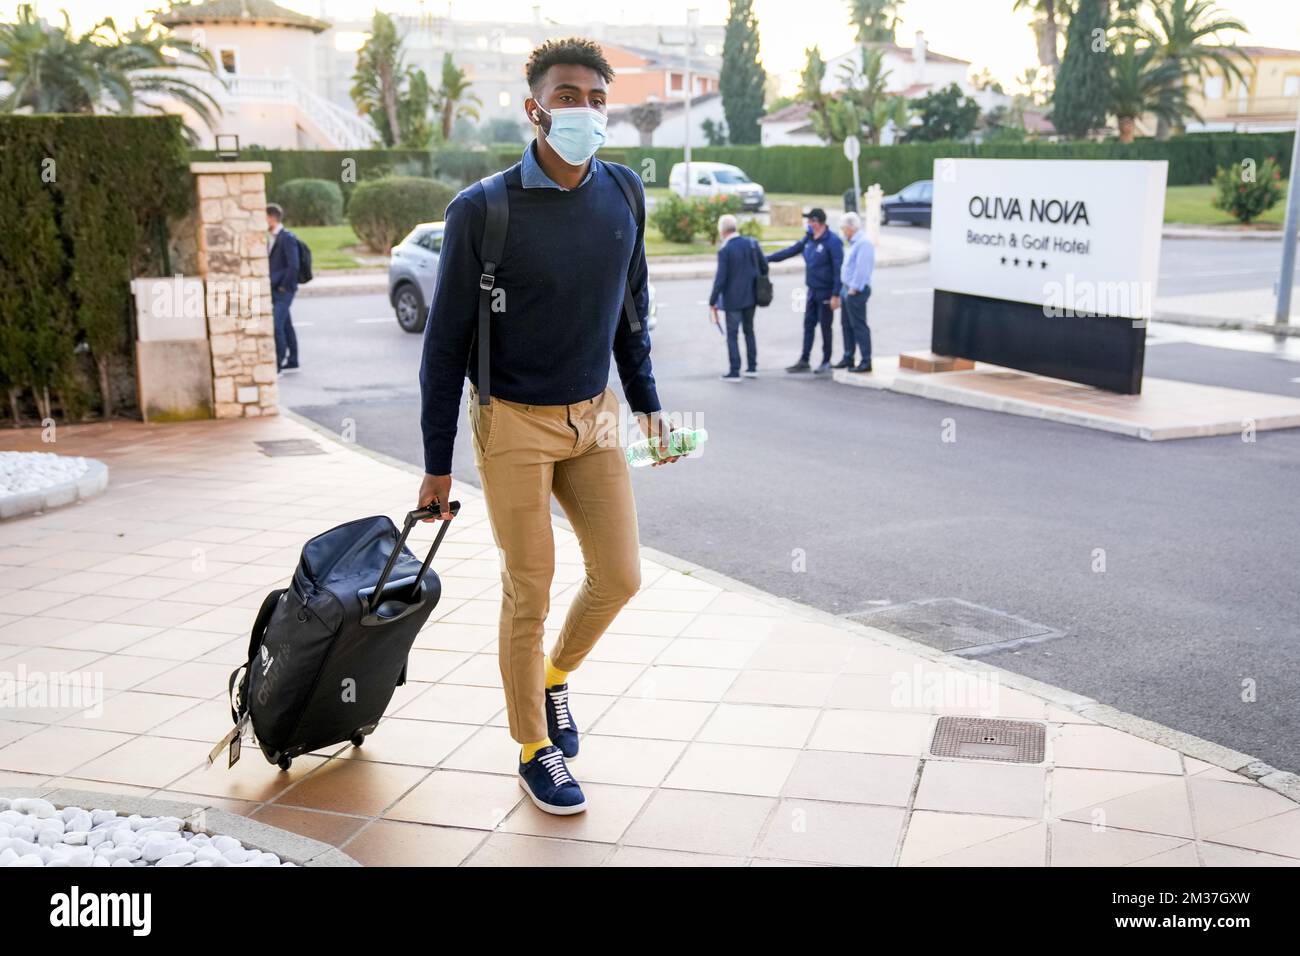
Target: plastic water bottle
(684,441)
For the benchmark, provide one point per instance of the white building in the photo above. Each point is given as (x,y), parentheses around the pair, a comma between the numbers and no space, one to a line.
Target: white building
(268,71)
(909,72)
(671,130)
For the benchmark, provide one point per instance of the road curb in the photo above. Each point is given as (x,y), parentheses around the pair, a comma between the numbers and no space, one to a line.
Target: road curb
(1227,233)
(1280,781)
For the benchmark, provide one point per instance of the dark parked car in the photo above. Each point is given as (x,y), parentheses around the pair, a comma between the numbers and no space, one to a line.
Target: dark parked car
(909,204)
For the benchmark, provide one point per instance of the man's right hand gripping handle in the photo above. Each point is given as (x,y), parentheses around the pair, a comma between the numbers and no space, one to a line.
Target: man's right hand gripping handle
(435,488)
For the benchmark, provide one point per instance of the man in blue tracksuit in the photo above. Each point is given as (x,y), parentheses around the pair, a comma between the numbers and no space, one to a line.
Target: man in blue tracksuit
(823,256)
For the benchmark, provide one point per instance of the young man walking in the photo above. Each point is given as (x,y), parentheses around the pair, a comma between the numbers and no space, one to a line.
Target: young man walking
(283,256)
(549,425)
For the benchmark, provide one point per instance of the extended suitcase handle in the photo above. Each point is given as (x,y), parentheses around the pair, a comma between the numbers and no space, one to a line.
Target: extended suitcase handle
(412,519)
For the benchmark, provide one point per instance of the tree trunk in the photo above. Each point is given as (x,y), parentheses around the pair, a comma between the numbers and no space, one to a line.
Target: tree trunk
(1049,29)
(1126,128)
(448,111)
(388,87)
(14,393)
(105,386)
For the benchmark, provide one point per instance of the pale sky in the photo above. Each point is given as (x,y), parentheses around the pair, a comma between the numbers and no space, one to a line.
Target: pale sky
(986,32)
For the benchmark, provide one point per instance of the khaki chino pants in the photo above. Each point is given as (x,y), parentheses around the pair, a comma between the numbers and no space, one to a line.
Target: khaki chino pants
(526,453)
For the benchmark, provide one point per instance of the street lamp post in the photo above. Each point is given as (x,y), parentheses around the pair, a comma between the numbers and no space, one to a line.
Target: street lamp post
(1287,279)
(692,19)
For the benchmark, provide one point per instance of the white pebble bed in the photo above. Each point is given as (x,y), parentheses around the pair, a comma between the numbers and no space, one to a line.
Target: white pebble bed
(35,832)
(25,471)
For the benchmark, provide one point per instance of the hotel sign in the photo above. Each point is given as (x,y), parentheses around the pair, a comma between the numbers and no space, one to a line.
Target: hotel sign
(1076,240)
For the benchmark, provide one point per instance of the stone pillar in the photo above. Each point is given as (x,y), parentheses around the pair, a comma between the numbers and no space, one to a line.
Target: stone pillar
(231,225)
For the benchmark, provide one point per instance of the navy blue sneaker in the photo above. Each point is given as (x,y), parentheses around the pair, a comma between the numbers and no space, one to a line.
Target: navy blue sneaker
(559,722)
(549,784)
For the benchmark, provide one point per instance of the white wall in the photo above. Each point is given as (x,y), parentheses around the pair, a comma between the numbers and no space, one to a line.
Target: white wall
(672,131)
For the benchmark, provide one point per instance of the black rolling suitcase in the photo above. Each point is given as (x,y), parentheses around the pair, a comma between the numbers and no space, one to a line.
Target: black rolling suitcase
(327,652)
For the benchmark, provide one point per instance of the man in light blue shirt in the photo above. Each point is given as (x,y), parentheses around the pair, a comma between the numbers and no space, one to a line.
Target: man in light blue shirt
(855,280)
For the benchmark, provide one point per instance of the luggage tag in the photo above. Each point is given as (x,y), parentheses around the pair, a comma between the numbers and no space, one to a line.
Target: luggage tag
(233,740)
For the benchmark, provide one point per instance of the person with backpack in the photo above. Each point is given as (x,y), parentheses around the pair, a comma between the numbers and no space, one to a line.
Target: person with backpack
(542,275)
(286,261)
(740,266)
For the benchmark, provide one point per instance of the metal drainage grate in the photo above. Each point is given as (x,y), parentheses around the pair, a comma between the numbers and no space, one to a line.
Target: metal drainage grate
(949,624)
(979,738)
(289,446)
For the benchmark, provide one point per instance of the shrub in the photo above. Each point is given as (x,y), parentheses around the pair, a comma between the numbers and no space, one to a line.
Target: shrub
(383,211)
(310,202)
(706,211)
(752,228)
(84,201)
(1248,198)
(672,216)
(681,220)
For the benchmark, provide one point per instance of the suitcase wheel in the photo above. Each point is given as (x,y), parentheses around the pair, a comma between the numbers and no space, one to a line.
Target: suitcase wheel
(285,763)
(358,739)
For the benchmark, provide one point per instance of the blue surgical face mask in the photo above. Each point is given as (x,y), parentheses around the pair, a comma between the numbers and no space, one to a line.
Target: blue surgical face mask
(576,133)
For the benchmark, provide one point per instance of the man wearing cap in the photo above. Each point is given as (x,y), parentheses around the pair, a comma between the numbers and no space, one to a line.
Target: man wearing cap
(823,256)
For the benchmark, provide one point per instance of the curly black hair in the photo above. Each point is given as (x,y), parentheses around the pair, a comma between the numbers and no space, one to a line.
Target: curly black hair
(571,50)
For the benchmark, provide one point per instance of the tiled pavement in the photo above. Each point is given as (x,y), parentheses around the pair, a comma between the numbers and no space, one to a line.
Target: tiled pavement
(722,727)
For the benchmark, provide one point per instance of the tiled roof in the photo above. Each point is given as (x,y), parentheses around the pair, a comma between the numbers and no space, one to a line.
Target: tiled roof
(238,11)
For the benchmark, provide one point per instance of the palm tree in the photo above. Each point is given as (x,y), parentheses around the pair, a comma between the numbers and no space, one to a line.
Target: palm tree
(454,96)
(1143,82)
(864,108)
(874,21)
(105,69)
(646,118)
(1049,20)
(1179,33)
(378,75)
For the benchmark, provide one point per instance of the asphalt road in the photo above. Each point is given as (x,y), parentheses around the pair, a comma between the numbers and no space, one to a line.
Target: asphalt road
(1201,542)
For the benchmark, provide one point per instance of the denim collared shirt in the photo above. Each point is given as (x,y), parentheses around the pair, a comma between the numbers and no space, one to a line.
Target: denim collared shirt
(859,263)
(534,177)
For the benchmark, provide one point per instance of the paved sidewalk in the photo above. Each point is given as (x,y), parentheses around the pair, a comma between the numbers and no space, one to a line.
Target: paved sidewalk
(723,727)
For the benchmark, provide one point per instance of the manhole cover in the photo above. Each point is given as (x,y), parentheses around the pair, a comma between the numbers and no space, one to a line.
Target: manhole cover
(949,624)
(289,446)
(979,738)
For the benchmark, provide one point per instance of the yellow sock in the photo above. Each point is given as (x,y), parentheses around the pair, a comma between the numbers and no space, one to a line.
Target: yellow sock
(530,750)
(554,675)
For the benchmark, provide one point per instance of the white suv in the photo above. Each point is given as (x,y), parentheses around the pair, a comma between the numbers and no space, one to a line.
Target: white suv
(717,179)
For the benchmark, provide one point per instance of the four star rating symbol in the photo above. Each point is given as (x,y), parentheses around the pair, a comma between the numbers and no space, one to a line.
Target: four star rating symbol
(1029,263)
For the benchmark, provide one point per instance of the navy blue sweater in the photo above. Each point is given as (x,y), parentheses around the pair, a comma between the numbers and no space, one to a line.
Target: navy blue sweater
(567,257)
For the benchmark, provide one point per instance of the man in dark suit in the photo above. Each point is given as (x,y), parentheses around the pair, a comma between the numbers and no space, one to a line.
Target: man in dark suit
(740,262)
(283,254)
(823,256)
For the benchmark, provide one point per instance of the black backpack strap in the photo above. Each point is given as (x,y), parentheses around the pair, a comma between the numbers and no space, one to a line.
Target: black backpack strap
(621,174)
(494,244)
(262,621)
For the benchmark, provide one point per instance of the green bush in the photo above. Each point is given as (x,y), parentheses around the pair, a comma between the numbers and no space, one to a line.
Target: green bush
(1247,198)
(681,220)
(674,218)
(85,202)
(707,209)
(752,228)
(383,211)
(310,202)
(823,170)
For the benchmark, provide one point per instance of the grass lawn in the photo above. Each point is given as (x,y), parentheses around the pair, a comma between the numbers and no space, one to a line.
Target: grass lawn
(1191,206)
(330,246)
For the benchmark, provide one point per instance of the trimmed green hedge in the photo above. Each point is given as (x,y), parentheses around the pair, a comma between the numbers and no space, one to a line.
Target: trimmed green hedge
(84,202)
(1193,159)
(350,167)
(383,211)
(310,202)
